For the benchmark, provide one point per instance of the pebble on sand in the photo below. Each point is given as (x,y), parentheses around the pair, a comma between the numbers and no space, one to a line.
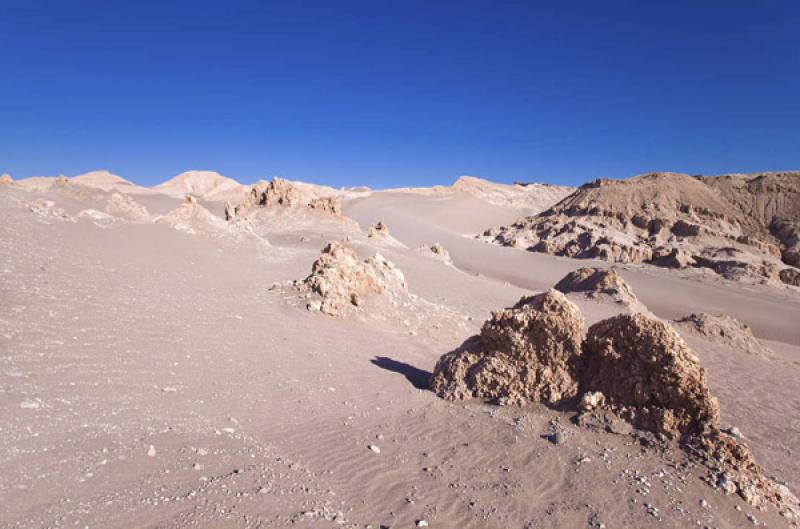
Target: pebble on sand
(374,448)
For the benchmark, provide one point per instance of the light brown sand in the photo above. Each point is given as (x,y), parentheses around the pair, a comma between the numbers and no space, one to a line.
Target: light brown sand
(259,413)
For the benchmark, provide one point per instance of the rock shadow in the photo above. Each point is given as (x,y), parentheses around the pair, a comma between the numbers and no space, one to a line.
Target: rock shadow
(419,378)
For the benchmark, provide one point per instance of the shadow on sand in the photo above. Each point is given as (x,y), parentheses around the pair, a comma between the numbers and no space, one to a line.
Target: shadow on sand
(419,378)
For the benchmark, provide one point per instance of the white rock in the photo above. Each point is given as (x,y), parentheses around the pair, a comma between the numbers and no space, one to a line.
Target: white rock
(374,449)
(151,451)
(592,400)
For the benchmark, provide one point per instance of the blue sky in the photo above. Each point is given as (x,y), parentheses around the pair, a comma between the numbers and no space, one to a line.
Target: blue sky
(386,93)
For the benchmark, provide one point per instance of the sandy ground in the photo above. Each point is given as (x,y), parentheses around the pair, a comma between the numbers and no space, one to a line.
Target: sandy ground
(151,377)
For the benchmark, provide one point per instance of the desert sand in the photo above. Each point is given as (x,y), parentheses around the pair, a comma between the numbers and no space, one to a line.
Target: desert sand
(209,354)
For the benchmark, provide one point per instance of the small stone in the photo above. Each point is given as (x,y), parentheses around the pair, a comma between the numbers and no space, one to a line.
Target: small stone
(726,484)
(733,431)
(557,437)
(703,503)
(30,405)
(151,451)
(422,523)
(592,400)
(374,448)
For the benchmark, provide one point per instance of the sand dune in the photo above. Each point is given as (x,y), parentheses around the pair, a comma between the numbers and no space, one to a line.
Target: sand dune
(201,184)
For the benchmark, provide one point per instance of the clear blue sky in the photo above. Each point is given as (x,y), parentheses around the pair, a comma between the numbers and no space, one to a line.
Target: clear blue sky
(386,93)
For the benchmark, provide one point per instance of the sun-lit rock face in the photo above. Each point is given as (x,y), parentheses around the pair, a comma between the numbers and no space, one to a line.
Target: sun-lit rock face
(526,353)
(743,227)
(340,280)
(648,375)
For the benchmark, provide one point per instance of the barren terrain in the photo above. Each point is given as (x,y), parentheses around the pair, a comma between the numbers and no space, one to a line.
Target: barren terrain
(161,366)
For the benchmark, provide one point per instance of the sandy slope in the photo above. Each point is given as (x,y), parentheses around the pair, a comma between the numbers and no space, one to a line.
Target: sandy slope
(202,184)
(152,377)
(417,220)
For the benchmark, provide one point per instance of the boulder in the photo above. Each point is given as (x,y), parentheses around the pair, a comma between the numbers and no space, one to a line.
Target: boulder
(648,375)
(341,280)
(790,276)
(526,353)
(593,281)
(379,229)
(436,251)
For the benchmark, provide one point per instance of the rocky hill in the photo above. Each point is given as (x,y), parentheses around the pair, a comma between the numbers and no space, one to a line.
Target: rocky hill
(741,226)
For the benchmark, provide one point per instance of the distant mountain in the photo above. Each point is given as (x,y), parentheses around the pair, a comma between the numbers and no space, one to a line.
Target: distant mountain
(207,185)
(107,181)
(530,196)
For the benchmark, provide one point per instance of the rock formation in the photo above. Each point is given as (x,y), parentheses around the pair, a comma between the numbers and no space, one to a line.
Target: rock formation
(379,229)
(437,251)
(630,367)
(724,329)
(339,280)
(594,281)
(739,226)
(5,178)
(734,470)
(48,208)
(648,375)
(524,354)
(330,205)
(281,193)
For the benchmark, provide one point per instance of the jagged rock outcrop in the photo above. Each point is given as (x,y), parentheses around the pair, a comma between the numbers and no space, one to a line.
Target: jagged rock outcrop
(526,353)
(282,193)
(379,229)
(790,276)
(436,251)
(252,198)
(594,281)
(48,208)
(648,375)
(340,280)
(630,370)
(724,329)
(330,205)
(734,470)
(739,226)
